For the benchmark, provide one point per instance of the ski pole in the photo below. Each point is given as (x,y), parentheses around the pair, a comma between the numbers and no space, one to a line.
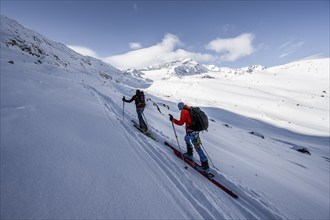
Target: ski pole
(145,118)
(123,110)
(184,162)
(209,157)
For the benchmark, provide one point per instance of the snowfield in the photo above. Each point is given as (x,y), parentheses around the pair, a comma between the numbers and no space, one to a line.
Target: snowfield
(293,96)
(69,151)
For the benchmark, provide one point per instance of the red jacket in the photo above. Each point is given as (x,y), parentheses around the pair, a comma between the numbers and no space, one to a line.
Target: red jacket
(184,117)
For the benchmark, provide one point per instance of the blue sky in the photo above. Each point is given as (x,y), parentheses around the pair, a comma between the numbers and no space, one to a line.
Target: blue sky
(135,34)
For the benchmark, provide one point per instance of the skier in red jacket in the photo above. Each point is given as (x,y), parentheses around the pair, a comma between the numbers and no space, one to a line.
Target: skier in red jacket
(192,137)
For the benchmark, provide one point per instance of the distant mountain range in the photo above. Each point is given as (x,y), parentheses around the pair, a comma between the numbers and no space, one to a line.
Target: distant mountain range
(188,66)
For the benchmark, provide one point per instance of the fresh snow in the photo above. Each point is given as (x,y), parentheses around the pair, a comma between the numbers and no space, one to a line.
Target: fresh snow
(293,96)
(68,151)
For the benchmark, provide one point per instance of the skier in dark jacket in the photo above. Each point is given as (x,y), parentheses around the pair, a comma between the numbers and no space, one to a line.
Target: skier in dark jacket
(192,137)
(140,105)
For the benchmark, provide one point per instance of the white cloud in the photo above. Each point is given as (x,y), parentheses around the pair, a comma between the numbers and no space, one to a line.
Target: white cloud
(165,51)
(290,46)
(233,48)
(135,46)
(170,49)
(83,51)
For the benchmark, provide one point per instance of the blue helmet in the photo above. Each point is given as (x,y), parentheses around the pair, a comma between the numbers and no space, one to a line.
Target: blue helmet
(180,105)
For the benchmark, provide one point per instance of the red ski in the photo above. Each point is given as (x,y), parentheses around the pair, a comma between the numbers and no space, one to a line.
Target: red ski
(194,165)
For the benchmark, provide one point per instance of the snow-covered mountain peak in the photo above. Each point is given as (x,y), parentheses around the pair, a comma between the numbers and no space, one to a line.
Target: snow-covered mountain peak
(180,68)
(188,61)
(24,45)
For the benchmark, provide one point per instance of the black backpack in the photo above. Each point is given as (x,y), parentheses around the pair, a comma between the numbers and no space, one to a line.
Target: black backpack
(140,99)
(200,121)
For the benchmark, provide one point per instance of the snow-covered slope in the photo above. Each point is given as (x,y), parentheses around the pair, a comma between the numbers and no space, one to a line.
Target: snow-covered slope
(21,44)
(293,96)
(69,151)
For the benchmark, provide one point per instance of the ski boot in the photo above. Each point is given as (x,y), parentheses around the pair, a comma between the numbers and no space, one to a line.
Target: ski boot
(204,167)
(189,154)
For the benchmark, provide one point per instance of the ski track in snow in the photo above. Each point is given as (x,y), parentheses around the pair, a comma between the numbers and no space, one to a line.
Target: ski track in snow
(249,202)
(62,121)
(158,156)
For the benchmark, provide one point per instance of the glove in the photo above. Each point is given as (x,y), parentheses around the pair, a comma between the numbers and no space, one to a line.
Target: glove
(171,117)
(123,98)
